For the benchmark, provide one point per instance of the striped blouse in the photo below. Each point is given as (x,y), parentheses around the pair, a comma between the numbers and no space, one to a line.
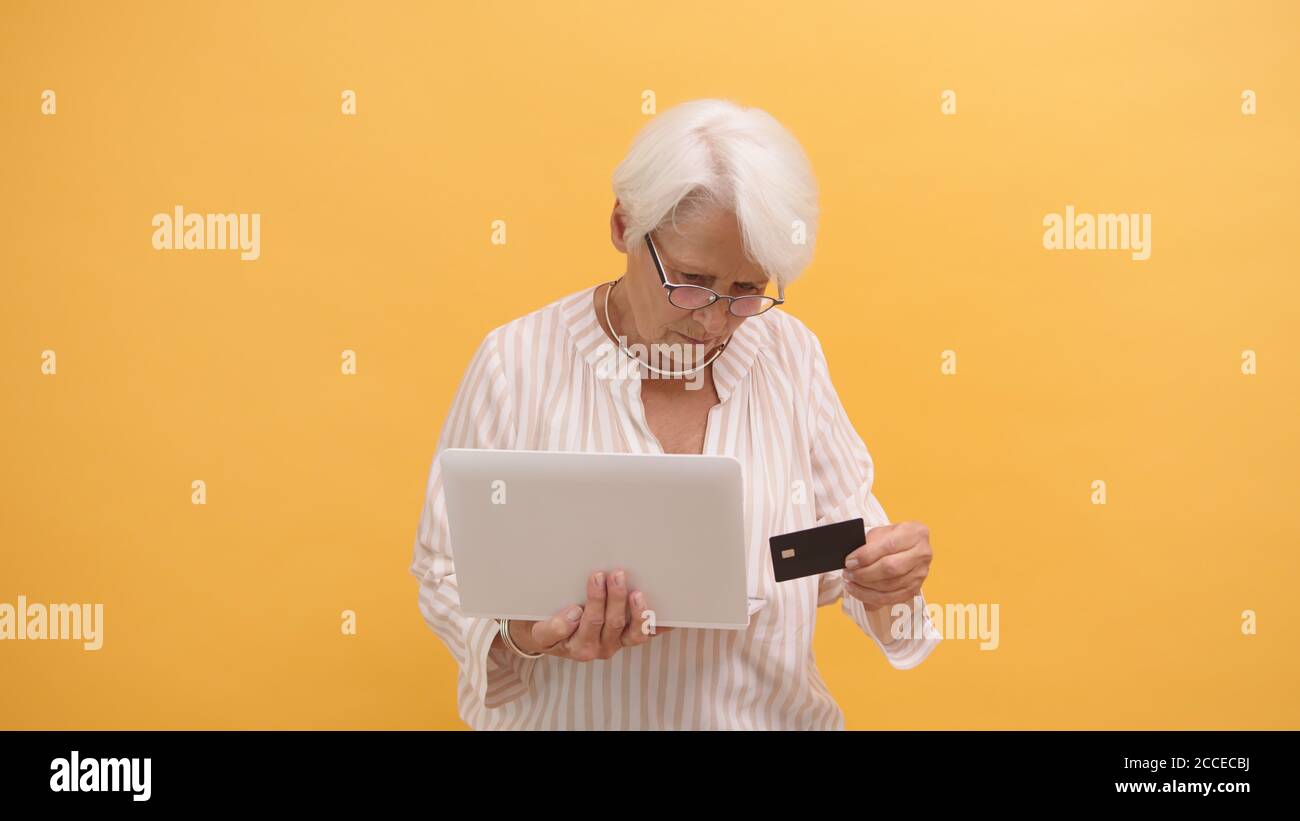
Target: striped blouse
(538,383)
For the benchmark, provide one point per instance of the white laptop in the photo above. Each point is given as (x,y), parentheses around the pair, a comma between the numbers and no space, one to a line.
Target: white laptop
(528,527)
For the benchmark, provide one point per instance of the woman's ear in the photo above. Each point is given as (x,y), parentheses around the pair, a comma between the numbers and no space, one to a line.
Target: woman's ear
(617,223)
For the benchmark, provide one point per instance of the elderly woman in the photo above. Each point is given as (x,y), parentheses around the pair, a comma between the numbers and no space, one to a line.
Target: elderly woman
(716,208)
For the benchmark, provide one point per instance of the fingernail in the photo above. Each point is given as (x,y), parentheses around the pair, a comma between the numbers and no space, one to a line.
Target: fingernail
(573,613)
(600,579)
(637,599)
(851,563)
(618,579)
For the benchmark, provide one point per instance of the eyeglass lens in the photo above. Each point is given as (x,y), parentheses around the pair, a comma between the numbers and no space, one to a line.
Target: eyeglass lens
(692,298)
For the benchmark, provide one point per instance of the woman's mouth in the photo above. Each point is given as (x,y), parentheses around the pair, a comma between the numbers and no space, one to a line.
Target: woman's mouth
(692,339)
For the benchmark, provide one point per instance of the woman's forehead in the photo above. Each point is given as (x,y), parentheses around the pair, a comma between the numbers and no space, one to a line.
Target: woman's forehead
(708,256)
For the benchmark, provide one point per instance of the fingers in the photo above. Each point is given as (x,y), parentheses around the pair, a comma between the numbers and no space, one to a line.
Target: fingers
(584,644)
(901,592)
(891,552)
(888,569)
(616,616)
(874,600)
(559,627)
(883,540)
(893,585)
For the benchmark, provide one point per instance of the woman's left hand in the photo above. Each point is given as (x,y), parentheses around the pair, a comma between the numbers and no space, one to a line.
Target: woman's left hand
(891,567)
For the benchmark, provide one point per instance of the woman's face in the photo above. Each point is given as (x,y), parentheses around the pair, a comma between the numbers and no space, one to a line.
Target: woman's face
(707,250)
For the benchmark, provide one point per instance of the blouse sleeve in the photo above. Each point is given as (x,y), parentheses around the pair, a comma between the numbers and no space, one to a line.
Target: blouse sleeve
(843,473)
(481,416)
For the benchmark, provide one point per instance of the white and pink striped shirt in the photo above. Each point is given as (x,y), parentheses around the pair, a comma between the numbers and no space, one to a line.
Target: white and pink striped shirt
(534,384)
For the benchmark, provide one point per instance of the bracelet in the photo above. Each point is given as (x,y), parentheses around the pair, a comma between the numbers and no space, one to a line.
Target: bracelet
(504,628)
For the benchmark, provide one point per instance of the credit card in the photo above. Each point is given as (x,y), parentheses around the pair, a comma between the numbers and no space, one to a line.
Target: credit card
(815,550)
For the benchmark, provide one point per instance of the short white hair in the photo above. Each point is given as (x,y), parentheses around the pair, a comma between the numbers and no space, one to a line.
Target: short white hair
(710,152)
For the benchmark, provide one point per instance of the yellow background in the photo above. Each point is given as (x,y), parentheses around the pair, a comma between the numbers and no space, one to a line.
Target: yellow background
(1072,366)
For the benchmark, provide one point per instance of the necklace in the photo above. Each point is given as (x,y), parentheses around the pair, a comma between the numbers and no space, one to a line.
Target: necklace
(624,349)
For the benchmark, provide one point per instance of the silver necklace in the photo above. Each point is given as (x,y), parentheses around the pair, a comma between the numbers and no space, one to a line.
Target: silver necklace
(647,366)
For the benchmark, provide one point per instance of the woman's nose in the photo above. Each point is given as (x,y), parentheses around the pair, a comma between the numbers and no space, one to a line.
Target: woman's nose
(712,317)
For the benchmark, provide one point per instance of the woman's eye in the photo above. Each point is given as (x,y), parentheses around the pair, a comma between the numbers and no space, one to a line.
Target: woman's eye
(692,277)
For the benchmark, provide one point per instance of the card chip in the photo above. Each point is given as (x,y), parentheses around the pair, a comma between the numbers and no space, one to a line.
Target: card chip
(788,553)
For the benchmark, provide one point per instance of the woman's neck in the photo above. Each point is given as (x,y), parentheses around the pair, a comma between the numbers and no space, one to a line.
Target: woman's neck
(621,315)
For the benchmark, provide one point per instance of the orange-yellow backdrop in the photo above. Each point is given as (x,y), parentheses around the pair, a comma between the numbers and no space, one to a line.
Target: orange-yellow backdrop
(1072,366)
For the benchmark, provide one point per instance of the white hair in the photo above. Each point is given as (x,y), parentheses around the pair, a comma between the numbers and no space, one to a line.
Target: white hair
(709,153)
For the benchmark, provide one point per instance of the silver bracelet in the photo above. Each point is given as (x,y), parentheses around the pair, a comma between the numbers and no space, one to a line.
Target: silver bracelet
(504,628)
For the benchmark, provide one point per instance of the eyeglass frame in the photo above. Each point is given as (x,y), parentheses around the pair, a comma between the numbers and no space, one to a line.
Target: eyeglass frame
(779,299)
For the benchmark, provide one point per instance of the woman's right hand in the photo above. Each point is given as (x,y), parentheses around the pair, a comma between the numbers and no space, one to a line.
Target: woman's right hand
(612,619)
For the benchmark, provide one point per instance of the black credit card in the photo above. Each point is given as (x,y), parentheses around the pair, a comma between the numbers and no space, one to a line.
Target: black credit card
(816,550)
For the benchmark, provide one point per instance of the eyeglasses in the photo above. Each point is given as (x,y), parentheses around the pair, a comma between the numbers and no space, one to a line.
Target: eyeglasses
(694,297)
